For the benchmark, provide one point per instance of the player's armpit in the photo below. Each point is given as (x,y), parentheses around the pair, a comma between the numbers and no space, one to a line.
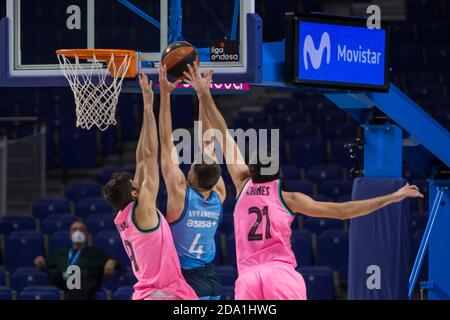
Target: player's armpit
(146,216)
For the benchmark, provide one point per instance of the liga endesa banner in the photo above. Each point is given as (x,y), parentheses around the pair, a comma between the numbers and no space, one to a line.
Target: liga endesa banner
(219,86)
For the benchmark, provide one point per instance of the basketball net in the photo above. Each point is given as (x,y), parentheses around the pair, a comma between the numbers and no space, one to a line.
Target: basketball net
(96,89)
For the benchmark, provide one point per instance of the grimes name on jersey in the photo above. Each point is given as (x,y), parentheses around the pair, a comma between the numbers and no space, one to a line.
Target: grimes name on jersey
(258,191)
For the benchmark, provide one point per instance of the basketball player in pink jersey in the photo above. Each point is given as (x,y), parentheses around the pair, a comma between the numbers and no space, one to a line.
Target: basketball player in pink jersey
(264,213)
(145,233)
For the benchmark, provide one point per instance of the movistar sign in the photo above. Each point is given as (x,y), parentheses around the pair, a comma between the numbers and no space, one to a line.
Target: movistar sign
(341,54)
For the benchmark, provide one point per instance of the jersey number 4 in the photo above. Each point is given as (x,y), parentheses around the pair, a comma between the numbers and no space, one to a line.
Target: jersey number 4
(260,214)
(194,248)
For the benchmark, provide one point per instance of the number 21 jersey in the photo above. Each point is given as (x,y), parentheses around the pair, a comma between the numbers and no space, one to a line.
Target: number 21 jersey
(262,226)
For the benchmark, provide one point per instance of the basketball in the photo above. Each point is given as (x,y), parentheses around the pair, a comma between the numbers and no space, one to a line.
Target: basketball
(176,58)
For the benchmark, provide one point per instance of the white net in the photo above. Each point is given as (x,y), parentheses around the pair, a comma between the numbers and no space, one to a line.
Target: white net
(96,86)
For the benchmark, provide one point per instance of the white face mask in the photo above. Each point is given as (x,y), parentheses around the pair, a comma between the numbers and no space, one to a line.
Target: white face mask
(78,237)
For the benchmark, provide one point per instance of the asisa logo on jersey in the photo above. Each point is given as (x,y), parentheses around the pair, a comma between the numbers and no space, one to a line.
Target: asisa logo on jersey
(316,55)
(201,223)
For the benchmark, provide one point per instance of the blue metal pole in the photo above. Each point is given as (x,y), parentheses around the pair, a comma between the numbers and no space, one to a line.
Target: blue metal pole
(140,13)
(424,243)
(176,21)
(234,24)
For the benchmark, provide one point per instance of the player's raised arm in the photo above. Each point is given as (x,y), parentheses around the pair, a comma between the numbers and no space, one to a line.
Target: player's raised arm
(173,176)
(301,203)
(237,168)
(206,126)
(146,215)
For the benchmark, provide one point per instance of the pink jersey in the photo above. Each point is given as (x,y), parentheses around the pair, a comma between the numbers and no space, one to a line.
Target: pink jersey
(262,227)
(153,258)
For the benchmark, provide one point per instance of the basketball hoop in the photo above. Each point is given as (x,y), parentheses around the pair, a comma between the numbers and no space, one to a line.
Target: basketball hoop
(96,94)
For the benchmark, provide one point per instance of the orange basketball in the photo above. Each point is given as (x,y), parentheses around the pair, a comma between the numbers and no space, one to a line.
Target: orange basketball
(177,56)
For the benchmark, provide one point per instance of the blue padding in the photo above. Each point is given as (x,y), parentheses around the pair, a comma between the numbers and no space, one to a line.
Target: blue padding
(382,239)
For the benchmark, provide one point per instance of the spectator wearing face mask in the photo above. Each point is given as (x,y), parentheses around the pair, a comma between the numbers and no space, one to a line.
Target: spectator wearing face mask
(93,263)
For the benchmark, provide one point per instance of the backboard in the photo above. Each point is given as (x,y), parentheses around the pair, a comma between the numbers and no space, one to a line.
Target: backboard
(227,34)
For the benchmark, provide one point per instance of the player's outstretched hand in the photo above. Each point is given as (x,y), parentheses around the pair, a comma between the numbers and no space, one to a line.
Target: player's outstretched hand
(165,86)
(408,191)
(200,83)
(147,91)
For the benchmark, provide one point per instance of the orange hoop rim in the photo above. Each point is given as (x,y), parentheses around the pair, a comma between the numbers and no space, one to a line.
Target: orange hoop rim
(100,54)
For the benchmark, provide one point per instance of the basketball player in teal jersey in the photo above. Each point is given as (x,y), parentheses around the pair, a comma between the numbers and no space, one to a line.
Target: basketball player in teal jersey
(264,213)
(194,204)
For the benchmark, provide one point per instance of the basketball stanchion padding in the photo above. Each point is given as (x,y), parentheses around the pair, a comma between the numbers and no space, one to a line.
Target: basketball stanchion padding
(96,77)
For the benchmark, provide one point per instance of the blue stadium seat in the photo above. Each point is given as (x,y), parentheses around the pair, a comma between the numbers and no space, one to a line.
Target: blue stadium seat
(111,243)
(320,225)
(82,190)
(227,274)
(2,276)
(336,188)
(59,240)
(341,157)
(108,141)
(339,130)
(87,207)
(230,253)
(307,152)
(5,293)
(106,173)
(100,295)
(126,279)
(14,223)
(319,282)
(123,293)
(47,206)
(110,282)
(227,293)
(281,105)
(126,120)
(320,173)
(40,293)
(313,103)
(289,118)
(290,172)
(302,247)
(292,132)
(303,186)
(332,116)
(77,149)
(57,222)
(29,243)
(27,277)
(332,250)
(100,222)
(247,120)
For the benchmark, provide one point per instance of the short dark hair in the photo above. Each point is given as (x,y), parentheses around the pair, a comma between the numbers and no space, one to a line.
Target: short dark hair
(118,190)
(255,166)
(207,173)
(79,220)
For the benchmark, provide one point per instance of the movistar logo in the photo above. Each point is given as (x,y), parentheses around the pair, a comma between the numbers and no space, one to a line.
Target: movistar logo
(316,55)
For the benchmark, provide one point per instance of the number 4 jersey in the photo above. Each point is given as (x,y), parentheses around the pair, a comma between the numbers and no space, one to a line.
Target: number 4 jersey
(153,258)
(262,226)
